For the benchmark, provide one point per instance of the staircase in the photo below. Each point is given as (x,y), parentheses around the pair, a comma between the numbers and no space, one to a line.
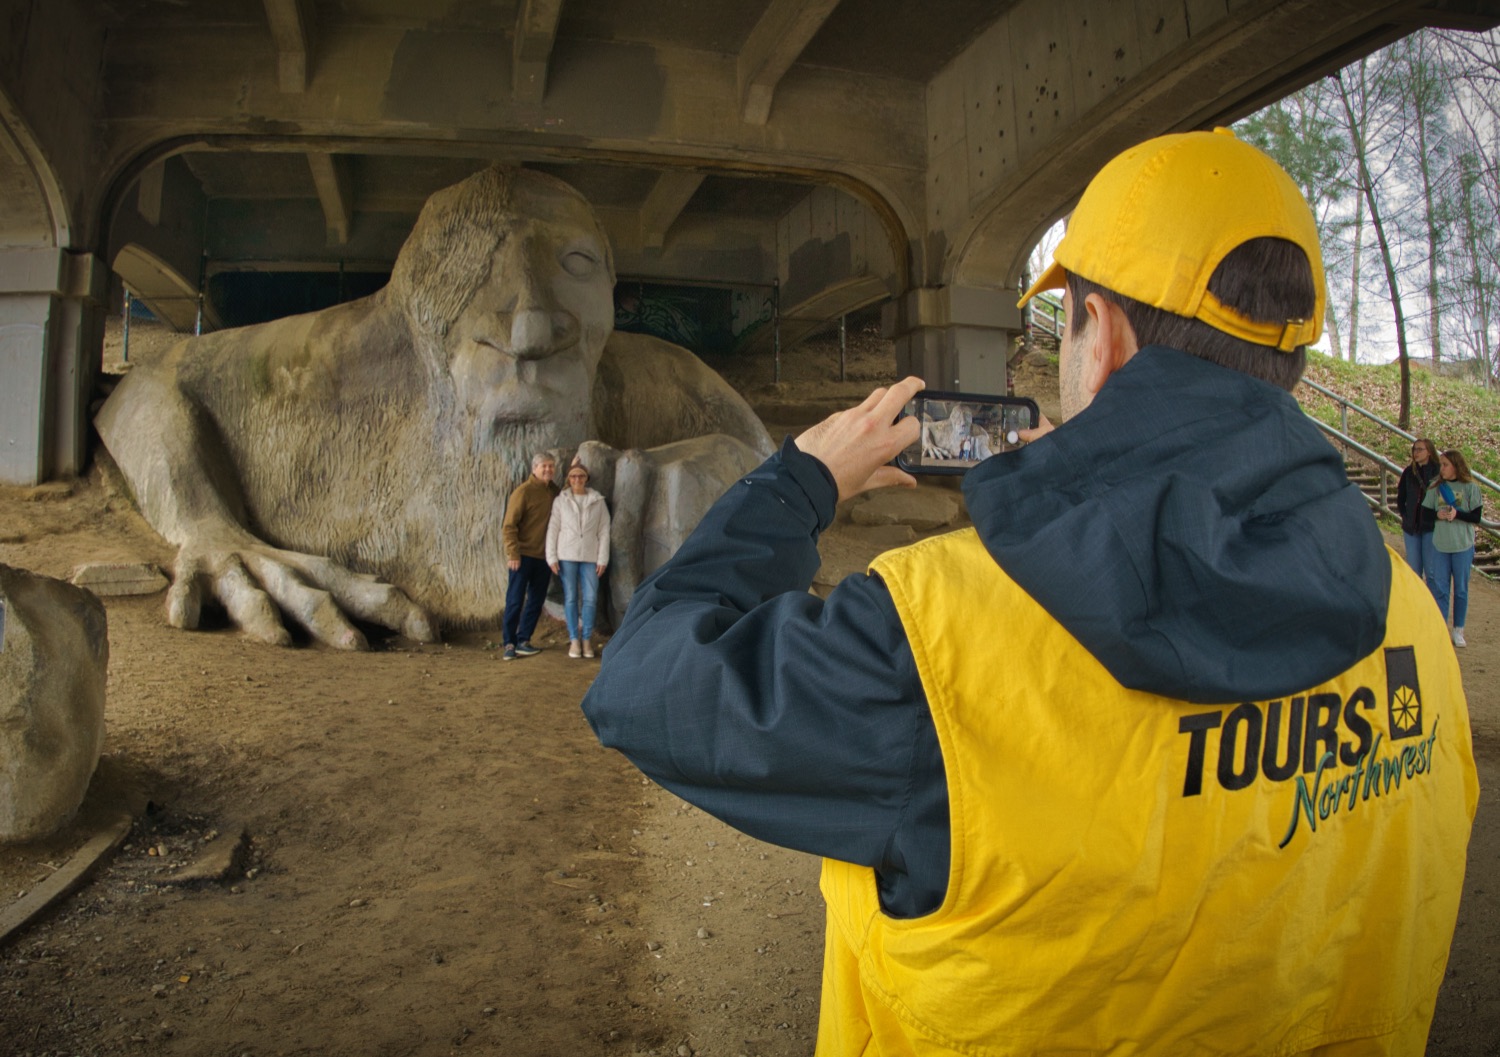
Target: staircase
(1044,323)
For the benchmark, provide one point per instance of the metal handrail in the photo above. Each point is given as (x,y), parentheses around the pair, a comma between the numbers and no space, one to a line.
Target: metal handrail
(1346,405)
(1046,315)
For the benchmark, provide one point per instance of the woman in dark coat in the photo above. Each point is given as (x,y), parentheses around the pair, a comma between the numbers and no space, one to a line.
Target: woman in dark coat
(1416,522)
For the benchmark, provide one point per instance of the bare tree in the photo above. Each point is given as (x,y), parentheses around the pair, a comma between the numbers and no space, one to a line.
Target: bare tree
(1356,81)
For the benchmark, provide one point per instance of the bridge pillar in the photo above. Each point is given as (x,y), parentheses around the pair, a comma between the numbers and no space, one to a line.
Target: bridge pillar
(51,329)
(954,337)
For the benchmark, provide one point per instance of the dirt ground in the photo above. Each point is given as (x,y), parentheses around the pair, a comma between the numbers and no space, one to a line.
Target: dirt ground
(441,860)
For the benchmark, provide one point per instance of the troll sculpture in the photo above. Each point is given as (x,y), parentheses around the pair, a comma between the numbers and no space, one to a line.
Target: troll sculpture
(355,462)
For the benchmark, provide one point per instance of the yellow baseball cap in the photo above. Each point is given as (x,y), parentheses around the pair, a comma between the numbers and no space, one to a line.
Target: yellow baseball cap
(1157,220)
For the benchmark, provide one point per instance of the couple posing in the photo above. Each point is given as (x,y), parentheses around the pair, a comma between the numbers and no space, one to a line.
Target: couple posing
(549,532)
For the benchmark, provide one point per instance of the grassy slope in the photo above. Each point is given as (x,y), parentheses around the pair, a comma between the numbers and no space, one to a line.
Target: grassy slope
(1454,414)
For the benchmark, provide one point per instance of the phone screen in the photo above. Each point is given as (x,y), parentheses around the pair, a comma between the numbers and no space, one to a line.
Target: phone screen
(960,430)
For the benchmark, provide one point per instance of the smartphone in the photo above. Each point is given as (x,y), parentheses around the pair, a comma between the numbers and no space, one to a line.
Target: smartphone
(961,430)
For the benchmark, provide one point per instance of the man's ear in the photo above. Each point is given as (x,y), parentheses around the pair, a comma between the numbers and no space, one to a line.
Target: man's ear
(1114,341)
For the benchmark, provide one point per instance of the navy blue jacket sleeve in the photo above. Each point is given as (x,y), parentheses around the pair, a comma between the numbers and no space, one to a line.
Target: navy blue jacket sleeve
(797,720)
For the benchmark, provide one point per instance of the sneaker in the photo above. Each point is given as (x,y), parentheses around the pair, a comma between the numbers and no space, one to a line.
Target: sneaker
(509,654)
(573,649)
(526,649)
(588,648)
(1458,637)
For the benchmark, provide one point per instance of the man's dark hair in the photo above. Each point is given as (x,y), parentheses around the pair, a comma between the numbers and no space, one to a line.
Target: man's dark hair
(1266,279)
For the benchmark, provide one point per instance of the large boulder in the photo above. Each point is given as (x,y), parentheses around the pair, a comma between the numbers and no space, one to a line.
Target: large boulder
(54,652)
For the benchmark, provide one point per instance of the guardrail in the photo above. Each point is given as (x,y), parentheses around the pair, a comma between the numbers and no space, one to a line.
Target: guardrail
(1346,405)
(1046,314)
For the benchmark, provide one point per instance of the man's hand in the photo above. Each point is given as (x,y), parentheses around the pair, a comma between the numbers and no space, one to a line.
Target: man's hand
(856,445)
(599,568)
(1043,428)
(513,564)
(556,567)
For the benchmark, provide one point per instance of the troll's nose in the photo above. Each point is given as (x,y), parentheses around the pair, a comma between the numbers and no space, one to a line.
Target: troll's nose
(531,334)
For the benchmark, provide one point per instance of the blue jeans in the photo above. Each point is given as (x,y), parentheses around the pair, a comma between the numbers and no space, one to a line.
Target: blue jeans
(580,582)
(1416,549)
(525,591)
(1444,567)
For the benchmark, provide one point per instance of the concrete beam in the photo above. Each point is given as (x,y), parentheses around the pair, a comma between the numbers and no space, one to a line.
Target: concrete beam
(955,337)
(773,45)
(291,28)
(171,296)
(536,29)
(51,327)
(665,204)
(330,173)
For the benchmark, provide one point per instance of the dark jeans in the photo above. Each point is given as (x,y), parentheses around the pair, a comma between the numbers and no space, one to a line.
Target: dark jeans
(525,591)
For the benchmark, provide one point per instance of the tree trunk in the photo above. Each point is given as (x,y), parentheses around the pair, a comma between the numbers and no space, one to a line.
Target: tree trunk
(1424,164)
(1331,320)
(1359,239)
(1367,187)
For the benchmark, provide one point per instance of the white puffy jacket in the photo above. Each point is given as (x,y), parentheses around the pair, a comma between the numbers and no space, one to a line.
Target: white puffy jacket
(579,529)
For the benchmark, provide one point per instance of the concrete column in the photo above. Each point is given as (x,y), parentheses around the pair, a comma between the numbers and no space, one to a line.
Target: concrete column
(954,337)
(51,331)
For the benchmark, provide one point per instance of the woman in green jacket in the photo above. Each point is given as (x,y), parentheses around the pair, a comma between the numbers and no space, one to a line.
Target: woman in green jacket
(1458,505)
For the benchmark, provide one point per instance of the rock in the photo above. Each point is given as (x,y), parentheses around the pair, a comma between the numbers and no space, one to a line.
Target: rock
(54,652)
(107,578)
(1038,359)
(850,548)
(923,509)
(881,538)
(221,861)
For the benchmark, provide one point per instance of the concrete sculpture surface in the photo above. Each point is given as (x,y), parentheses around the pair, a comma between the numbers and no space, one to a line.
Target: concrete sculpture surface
(54,652)
(355,462)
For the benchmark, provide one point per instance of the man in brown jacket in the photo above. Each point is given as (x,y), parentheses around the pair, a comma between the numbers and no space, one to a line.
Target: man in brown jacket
(526,517)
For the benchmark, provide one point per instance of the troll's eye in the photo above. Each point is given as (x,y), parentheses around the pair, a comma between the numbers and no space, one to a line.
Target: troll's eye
(580,264)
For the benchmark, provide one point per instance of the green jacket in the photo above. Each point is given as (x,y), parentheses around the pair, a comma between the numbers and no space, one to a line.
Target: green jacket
(1456,536)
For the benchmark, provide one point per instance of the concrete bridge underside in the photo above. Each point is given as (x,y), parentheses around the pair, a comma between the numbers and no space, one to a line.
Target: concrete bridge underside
(850,152)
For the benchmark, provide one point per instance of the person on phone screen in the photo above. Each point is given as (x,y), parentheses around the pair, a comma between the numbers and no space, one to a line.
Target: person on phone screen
(1455,502)
(1114,769)
(1417,520)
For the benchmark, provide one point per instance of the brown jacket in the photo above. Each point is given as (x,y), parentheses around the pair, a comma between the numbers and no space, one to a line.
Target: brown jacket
(526,517)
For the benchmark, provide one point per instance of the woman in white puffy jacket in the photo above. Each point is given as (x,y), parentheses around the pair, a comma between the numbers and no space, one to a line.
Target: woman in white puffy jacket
(578,551)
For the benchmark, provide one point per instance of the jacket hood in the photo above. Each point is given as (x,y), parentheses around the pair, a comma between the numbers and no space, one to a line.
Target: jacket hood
(1195,533)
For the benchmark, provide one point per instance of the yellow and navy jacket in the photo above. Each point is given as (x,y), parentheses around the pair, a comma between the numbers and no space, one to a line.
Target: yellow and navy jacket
(1132,874)
(1181,565)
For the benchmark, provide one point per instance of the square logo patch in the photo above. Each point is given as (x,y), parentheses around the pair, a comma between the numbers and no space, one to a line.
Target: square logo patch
(1403,693)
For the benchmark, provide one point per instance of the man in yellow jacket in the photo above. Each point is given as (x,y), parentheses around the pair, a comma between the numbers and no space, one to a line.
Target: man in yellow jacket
(1167,755)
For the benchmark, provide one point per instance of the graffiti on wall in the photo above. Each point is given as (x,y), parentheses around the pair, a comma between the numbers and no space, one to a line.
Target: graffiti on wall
(713,320)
